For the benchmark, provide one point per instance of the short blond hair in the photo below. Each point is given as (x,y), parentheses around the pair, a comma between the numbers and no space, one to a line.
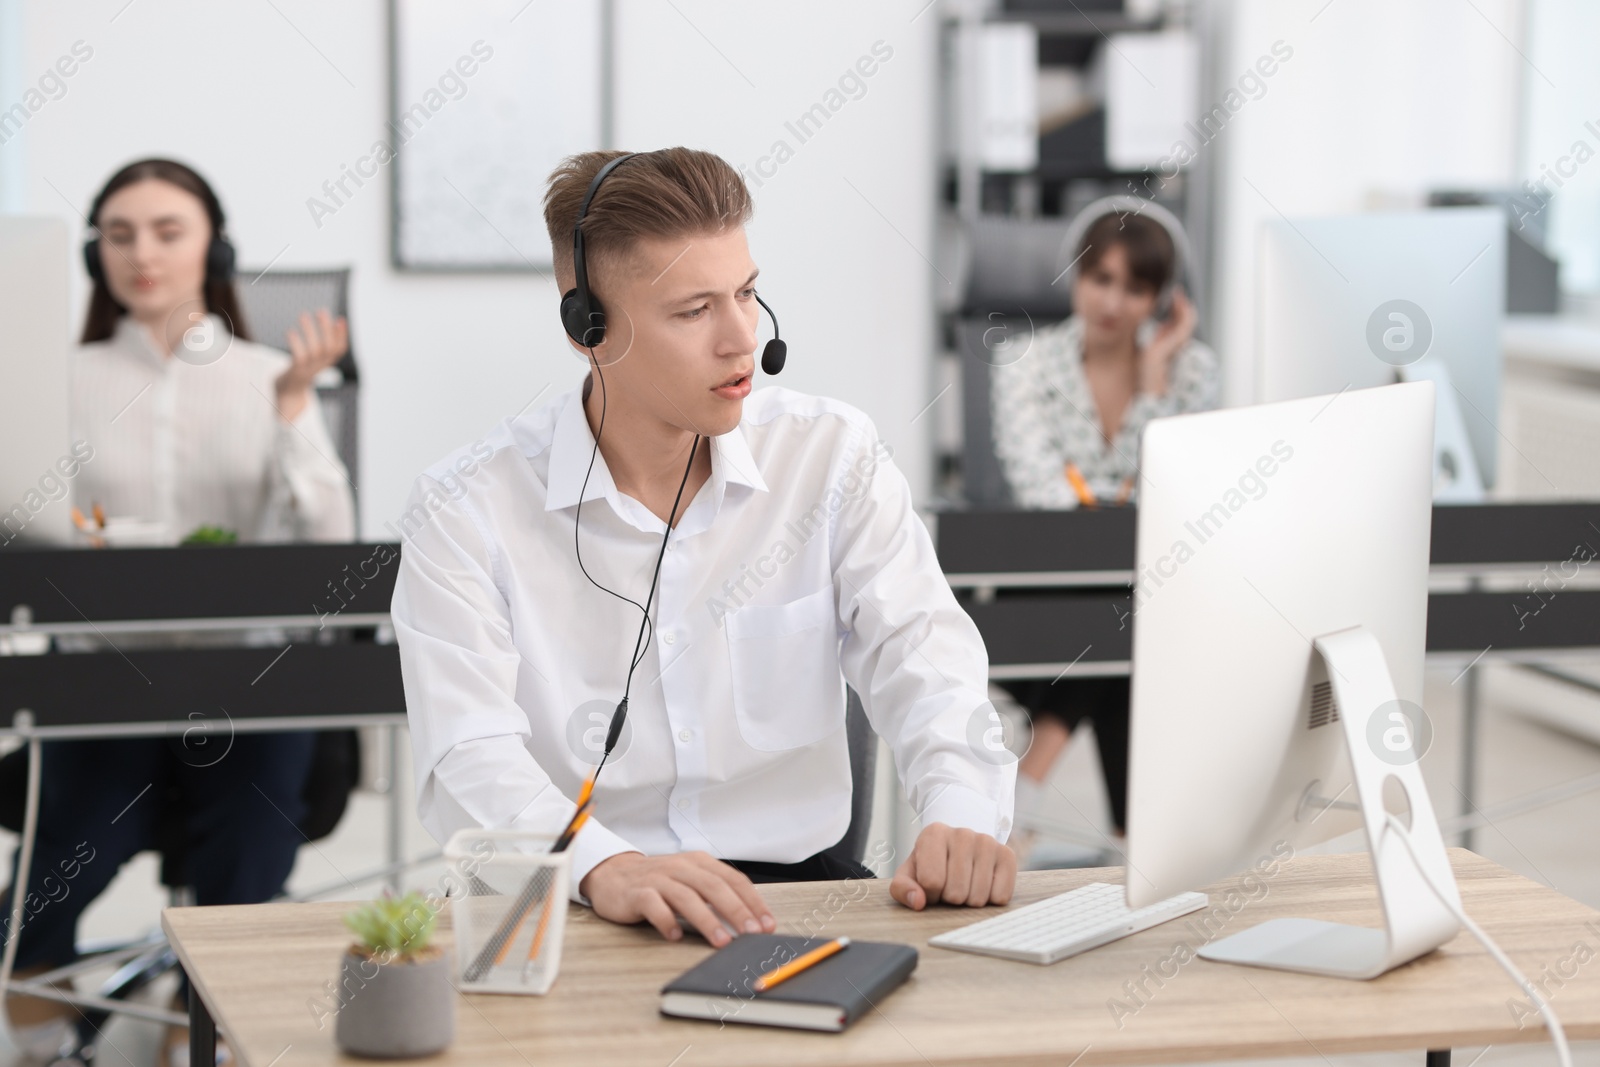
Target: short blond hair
(671,192)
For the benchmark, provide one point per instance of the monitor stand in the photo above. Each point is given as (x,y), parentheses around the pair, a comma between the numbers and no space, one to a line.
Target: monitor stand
(1415,920)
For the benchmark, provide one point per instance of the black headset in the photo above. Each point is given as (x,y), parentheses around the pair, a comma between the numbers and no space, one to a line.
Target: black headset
(1072,241)
(220,256)
(219,259)
(583,316)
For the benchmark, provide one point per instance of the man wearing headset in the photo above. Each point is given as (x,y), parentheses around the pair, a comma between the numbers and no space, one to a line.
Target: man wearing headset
(774,551)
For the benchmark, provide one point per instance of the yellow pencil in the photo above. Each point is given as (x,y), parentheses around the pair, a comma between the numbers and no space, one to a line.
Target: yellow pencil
(538,937)
(1079,486)
(800,963)
(505,947)
(580,817)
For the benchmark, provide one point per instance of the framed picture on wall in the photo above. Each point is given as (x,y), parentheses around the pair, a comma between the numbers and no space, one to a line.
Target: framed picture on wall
(486,97)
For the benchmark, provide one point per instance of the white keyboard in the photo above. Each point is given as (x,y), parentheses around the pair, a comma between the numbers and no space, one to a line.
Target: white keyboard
(1065,925)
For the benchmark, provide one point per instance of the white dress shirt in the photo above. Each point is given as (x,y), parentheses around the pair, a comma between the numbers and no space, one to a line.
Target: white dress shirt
(187,445)
(798,566)
(1045,416)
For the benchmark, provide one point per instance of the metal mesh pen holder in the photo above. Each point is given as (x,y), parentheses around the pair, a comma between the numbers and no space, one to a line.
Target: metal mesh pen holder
(511,911)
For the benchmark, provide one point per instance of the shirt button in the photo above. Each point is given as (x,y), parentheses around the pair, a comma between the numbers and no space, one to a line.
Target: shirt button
(683,805)
(668,637)
(684,735)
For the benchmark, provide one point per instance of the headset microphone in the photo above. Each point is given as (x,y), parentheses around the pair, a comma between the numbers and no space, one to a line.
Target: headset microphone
(773,356)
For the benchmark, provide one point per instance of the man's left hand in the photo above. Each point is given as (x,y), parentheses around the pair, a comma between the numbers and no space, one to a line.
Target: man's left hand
(955,867)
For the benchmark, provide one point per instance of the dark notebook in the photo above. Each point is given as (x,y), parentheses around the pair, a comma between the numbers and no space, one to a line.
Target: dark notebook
(826,996)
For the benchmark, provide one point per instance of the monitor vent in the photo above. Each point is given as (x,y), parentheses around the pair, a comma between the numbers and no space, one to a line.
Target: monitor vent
(1323,709)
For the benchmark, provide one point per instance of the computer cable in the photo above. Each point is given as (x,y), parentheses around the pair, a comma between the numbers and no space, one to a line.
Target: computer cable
(646,628)
(1553,1024)
(584,319)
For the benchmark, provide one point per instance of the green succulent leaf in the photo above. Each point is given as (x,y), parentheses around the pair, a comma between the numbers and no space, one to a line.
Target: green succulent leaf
(394,926)
(211,535)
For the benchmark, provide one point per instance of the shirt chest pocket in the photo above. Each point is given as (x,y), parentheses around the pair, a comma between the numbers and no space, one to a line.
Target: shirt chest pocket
(787,689)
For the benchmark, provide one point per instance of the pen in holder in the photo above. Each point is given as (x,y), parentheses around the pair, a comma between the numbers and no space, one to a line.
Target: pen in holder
(510,921)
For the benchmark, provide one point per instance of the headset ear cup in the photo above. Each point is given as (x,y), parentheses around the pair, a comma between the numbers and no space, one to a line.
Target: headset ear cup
(91,259)
(583,326)
(219,260)
(569,302)
(593,331)
(1070,251)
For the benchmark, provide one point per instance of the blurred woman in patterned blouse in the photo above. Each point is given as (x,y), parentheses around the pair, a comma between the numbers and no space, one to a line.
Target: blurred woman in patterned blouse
(1067,422)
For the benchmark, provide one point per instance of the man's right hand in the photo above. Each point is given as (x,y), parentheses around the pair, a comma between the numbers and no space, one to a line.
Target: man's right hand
(630,887)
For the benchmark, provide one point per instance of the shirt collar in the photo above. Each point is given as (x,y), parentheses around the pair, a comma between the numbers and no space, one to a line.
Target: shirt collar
(134,338)
(732,463)
(570,447)
(572,443)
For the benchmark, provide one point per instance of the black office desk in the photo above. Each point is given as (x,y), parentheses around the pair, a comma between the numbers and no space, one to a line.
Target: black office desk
(340,592)
(338,595)
(1050,590)
(337,592)
(1044,585)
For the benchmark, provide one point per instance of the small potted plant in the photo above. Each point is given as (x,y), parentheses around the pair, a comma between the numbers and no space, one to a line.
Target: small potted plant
(211,535)
(395,997)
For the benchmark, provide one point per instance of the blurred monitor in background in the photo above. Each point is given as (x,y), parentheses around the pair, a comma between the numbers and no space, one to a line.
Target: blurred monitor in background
(37,461)
(1349,302)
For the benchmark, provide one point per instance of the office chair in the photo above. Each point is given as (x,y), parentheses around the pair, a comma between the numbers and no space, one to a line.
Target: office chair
(863,744)
(272,301)
(335,771)
(983,481)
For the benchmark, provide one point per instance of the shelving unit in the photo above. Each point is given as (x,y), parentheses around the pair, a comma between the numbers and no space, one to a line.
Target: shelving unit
(1033,207)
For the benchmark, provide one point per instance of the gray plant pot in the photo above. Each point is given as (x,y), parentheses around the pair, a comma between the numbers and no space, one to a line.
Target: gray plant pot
(395,1010)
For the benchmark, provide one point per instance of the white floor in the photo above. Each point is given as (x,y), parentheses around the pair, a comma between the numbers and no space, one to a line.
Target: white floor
(1556,845)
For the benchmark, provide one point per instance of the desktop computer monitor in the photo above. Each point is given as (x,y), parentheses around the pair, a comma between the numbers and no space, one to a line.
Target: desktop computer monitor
(1349,302)
(1280,609)
(35,254)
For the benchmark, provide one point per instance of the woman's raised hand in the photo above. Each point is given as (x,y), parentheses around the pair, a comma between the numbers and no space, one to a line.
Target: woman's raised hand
(317,345)
(1156,360)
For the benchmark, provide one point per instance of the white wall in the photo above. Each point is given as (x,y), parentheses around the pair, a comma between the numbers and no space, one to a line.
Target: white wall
(1380,103)
(1561,140)
(12,87)
(241,91)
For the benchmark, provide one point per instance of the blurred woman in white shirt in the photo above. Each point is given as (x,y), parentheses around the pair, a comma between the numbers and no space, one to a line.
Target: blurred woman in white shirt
(192,425)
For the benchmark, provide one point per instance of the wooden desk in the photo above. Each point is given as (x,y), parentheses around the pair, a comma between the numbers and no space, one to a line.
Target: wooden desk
(257,969)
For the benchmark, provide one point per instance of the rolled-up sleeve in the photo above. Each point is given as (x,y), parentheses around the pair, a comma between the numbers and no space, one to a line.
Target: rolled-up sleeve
(910,651)
(469,735)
